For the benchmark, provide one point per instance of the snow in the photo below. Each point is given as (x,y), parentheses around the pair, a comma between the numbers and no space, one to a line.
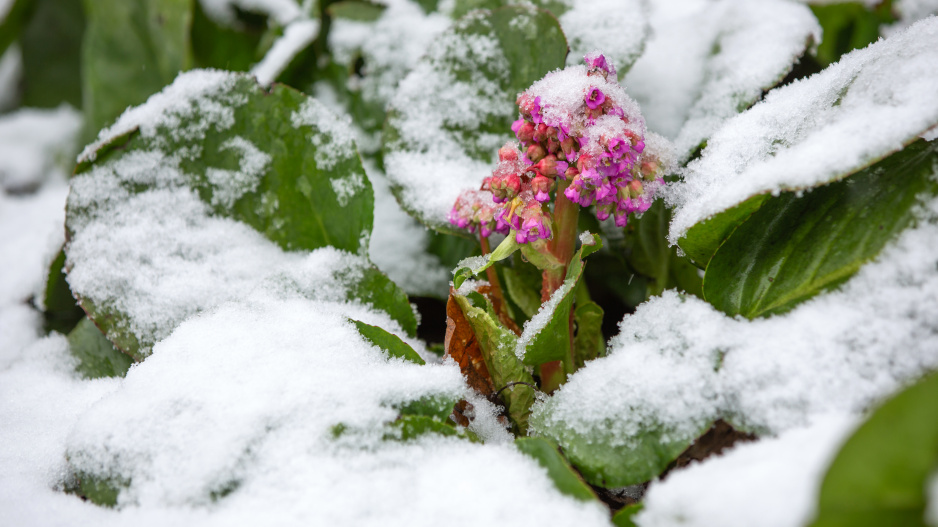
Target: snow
(204,91)
(616,27)
(399,244)
(840,352)
(230,185)
(770,483)
(33,142)
(223,11)
(706,60)
(295,38)
(336,140)
(908,12)
(430,162)
(818,129)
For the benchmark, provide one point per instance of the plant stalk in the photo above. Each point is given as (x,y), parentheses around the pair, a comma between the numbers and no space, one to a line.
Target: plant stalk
(561,246)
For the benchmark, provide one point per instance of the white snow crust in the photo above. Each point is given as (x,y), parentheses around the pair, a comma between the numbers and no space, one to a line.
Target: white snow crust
(616,27)
(430,163)
(34,142)
(223,11)
(909,12)
(678,364)
(706,59)
(296,37)
(771,483)
(815,130)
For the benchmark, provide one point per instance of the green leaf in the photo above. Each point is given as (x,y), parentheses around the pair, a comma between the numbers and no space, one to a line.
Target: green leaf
(879,476)
(409,427)
(848,26)
(358,10)
(422,131)
(17,14)
(436,406)
(476,264)
(498,350)
(795,246)
(51,46)
(97,357)
(559,470)
(99,491)
(623,518)
(541,259)
(312,192)
(703,239)
(130,51)
(375,288)
(62,311)
(523,285)
(607,459)
(588,343)
(552,340)
(389,342)
(649,253)
(228,48)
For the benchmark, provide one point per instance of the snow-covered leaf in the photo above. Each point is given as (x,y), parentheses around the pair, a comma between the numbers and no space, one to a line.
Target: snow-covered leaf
(881,473)
(509,375)
(797,245)
(565,478)
(130,51)
(389,342)
(826,127)
(707,61)
(97,357)
(455,109)
(191,199)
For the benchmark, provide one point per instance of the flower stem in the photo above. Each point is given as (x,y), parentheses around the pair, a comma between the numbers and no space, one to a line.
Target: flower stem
(561,246)
(498,299)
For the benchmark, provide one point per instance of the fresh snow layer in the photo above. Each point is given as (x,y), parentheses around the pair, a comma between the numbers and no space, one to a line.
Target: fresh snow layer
(295,38)
(771,483)
(399,244)
(389,47)
(430,162)
(223,11)
(909,12)
(815,130)
(706,60)
(678,364)
(33,142)
(618,28)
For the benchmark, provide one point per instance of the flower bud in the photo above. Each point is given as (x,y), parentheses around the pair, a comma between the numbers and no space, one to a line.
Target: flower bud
(508,153)
(525,132)
(540,185)
(536,152)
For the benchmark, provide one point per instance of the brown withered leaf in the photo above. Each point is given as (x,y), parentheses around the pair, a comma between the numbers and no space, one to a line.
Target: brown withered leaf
(462,345)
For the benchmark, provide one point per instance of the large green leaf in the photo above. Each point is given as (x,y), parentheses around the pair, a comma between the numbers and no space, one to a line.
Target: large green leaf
(130,51)
(230,48)
(880,475)
(453,112)
(60,308)
(389,342)
(704,238)
(848,26)
(51,46)
(97,357)
(309,191)
(558,469)
(17,13)
(508,373)
(607,459)
(796,245)
(623,518)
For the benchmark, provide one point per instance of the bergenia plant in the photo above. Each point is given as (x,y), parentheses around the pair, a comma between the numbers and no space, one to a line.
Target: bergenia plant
(581,144)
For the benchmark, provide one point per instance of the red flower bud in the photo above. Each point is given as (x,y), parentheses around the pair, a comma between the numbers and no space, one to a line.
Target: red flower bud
(526,132)
(536,152)
(540,185)
(547,166)
(508,153)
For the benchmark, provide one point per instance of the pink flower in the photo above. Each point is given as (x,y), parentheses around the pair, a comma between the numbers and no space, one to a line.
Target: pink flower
(595,98)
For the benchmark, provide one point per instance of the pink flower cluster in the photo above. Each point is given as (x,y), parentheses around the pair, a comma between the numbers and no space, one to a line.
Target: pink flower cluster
(576,125)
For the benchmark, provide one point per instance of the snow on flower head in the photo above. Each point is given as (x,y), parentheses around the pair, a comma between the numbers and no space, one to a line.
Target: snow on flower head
(577,125)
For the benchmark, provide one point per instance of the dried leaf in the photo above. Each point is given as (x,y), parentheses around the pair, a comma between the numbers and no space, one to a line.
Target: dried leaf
(462,345)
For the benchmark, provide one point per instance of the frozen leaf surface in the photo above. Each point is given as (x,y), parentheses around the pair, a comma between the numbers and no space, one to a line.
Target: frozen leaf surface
(190,201)
(859,110)
(454,110)
(707,61)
